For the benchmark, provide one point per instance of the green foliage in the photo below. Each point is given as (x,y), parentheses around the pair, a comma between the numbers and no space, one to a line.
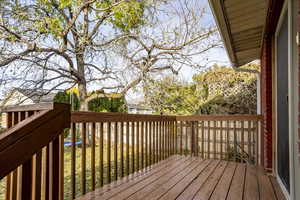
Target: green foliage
(221,90)
(107,104)
(128,15)
(50,18)
(67,97)
(104,103)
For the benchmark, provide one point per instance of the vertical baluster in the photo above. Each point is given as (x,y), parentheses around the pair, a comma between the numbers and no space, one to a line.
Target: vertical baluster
(197,138)
(26,180)
(8,178)
(150,143)
(93,155)
(20,168)
(171,138)
(101,161)
(164,140)
(116,151)
(242,137)
(181,137)
(192,139)
(168,138)
(138,145)
(176,136)
(215,139)
(47,173)
(14,185)
(132,145)
(73,160)
(122,149)
(227,138)
(153,142)
(37,176)
(147,143)
(234,141)
(202,139)
(127,149)
(249,139)
(83,159)
(61,166)
(256,140)
(109,152)
(54,169)
(186,137)
(221,139)
(160,139)
(208,139)
(157,141)
(143,144)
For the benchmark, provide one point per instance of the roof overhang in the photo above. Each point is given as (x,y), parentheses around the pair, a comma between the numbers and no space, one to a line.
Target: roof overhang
(241,24)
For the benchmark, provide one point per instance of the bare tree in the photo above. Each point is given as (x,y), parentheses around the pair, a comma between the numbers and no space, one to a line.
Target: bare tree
(107,43)
(51,43)
(177,36)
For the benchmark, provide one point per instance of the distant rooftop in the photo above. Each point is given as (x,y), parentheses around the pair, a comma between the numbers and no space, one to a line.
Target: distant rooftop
(37,96)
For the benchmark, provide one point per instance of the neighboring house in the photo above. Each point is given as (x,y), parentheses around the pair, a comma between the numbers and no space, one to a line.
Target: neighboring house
(269,31)
(138,109)
(18,96)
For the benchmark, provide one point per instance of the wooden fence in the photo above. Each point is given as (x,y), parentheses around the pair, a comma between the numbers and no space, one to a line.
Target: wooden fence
(104,147)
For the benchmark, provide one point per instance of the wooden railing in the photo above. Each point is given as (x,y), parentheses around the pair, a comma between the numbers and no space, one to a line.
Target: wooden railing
(125,144)
(228,137)
(104,147)
(30,151)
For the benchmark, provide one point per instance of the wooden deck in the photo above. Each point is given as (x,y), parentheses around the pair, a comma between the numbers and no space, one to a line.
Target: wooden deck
(185,178)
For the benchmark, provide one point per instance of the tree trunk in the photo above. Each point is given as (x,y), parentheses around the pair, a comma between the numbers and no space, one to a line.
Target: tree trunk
(82,96)
(82,89)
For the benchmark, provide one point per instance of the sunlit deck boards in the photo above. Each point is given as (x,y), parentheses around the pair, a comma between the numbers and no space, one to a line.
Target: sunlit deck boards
(187,178)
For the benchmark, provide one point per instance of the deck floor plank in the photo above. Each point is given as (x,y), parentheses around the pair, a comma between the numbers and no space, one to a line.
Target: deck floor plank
(179,187)
(208,187)
(265,186)
(150,183)
(141,180)
(236,188)
(187,178)
(251,191)
(173,176)
(190,192)
(130,180)
(221,191)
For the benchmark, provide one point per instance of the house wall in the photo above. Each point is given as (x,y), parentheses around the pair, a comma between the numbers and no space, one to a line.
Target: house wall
(266,104)
(15,99)
(267,83)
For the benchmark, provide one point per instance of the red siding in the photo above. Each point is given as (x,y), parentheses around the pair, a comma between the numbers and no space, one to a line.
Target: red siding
(266,103)
(273,14)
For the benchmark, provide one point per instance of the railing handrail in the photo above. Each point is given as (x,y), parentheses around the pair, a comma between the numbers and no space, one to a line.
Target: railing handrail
(30,107)
(35,132)
(87,116)
(219,117)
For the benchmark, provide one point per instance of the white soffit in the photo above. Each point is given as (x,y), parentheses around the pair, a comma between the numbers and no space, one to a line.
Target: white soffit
(241,25)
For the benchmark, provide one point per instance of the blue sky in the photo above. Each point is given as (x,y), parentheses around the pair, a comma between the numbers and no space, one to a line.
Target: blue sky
(215,56)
